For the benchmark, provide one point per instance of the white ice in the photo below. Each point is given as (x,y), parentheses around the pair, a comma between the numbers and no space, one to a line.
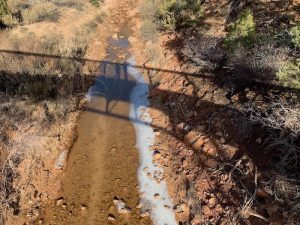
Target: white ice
(161,208)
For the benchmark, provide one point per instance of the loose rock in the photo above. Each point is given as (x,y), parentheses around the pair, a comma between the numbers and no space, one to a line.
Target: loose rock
(190,137)
(83,207)
(111,218)
(59,201)
(156,155)
(145,214)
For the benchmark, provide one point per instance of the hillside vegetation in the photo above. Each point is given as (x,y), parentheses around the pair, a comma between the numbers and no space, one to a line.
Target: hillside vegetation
(249,53)
(41,87)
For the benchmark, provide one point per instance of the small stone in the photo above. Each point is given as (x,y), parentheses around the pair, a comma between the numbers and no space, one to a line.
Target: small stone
(157,133)
(156,196)
(121,206)
(125,211)
(145,214)
(83,207)
(231,151)
(210,150)
(190,137)
(198,144)
(182,208)
(186,128)
(156,155)
(139,206)
(211,163)
(115,36)
(261,193)
(41,221)
(205,210)
(45,196)
(111,217)
(59,201)
(64,206)
(185,163)
(185,207)
(211,202)
(115,200)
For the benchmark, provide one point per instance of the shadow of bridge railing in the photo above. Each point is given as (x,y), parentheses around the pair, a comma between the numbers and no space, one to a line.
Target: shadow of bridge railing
(112,81)
(80,80)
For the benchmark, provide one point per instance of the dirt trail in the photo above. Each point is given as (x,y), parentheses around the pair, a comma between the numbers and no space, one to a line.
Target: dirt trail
(102,165)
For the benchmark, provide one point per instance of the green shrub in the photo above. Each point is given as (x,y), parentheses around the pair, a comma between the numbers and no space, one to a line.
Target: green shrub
(263,61)
(176,14)
(295,34)
(3,8)
(241,32)
(289,75)
(283,39)
(41,12)
(167,14)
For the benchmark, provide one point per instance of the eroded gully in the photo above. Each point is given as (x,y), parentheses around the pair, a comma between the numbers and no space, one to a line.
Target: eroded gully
(110,177)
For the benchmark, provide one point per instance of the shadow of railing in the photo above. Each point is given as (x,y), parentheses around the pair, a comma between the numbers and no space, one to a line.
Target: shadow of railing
(113,82)
(86,60)
(217,78)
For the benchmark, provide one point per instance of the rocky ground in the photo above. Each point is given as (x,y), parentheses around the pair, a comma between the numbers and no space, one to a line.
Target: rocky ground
(215,160)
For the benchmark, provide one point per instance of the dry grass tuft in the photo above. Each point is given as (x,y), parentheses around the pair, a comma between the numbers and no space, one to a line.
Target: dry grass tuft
(42,11)
(279,115)
(77,4)
(262,61)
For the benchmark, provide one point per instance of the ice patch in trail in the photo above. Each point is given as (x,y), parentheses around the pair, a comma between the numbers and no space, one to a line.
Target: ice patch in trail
(161,208)
(60,162)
